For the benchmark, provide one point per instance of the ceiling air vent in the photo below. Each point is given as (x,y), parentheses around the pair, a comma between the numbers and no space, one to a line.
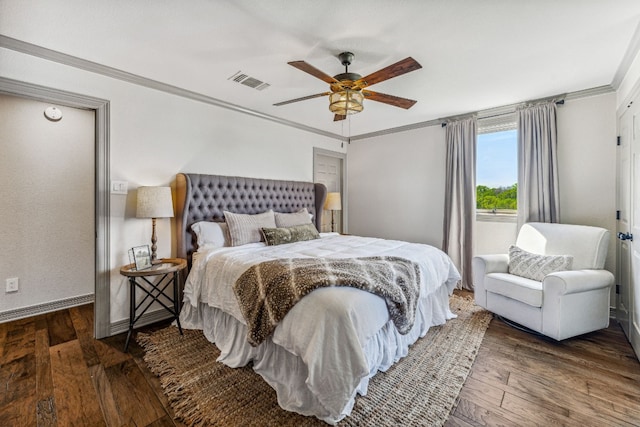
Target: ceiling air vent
(246,80)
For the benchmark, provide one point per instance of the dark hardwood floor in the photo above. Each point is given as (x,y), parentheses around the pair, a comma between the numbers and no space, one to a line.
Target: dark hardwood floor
(53,373)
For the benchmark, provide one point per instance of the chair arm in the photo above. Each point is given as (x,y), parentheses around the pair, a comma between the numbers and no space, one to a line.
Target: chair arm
(575,281)
(497,263)
(482,265)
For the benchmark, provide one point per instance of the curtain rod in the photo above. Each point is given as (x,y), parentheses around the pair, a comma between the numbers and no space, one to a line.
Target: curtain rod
(560,102)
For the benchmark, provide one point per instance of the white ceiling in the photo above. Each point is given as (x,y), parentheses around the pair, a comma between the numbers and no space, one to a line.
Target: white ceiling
(475,54)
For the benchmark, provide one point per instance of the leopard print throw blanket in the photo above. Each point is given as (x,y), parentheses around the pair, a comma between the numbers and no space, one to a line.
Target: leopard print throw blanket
(267,291)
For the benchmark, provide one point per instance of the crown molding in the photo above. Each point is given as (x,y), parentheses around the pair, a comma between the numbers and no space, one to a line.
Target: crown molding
(488,113)
(629,56)
(405,128)
(94,67)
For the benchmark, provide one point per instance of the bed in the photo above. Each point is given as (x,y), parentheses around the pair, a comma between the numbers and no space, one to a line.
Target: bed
(327,347)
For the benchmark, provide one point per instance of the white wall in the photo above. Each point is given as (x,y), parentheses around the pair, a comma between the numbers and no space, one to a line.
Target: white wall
(396,186)
(154,135)
(396,182)
(494,237)
(47,207)
(587,164)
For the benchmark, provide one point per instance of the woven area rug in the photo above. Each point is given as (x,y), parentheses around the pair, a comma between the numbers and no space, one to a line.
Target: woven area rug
(419,390)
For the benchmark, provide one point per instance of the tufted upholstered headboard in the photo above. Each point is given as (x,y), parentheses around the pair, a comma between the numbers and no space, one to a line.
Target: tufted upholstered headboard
(205,197)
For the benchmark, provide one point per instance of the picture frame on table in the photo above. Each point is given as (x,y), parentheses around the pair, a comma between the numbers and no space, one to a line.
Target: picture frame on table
(140,256)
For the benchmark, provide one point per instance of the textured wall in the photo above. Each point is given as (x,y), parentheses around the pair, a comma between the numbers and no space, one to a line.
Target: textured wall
(47,208)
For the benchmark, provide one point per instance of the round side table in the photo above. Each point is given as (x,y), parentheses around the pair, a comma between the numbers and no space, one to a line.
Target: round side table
(168,270)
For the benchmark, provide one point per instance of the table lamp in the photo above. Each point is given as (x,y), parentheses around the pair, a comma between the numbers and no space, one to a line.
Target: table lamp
(333,203)
(154,202)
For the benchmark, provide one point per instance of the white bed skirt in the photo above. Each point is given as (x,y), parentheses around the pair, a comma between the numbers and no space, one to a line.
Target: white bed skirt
(287,373)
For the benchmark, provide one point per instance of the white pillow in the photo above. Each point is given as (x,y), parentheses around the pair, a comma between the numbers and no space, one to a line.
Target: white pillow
(290,219)
(534,266)
(211,234)
(245,229)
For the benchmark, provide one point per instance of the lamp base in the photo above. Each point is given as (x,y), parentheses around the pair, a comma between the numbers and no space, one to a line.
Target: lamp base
(154,239)
(333,222)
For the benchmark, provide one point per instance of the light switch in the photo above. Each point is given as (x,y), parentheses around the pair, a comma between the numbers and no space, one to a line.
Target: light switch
(119,187)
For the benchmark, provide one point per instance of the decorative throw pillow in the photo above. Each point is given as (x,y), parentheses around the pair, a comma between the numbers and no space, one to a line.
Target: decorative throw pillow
(245,229)
(211,234)
(534,266)
(297,233)
(291,219)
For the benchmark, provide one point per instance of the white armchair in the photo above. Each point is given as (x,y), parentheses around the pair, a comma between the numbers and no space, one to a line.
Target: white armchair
(565,303)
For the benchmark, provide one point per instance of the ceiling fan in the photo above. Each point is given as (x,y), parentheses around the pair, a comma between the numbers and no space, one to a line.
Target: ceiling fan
(348,89)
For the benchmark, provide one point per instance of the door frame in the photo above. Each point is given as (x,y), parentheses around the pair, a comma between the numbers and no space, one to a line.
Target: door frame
(343,179)
(102,294)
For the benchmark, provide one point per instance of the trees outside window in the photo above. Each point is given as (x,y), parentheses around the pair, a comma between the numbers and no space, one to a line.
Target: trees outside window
(497,172)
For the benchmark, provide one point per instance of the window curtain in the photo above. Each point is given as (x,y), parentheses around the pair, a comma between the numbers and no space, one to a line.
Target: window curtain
(538,199)
(460,196)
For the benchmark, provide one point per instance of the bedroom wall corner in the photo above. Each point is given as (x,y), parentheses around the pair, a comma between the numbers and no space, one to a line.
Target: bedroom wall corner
(396,181)
(587,164)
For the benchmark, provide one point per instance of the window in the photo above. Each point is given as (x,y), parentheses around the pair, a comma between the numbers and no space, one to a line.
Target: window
(497,175)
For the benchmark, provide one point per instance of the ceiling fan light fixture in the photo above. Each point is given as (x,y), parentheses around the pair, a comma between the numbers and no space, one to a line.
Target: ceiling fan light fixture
(346,102)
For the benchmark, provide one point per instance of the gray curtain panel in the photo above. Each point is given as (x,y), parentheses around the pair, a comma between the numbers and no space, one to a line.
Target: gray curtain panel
(538,199)
(460,196)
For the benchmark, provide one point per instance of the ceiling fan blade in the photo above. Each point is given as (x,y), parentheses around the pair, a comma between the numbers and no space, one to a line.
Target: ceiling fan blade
(304,98)
(310,69)
(396,101)
(393,70)
(338,117)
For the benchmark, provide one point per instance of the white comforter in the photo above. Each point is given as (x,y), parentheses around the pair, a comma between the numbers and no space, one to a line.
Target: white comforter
(342,335)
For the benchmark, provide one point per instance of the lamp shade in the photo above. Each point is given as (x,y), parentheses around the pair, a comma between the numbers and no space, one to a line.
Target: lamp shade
(154,202)
(333,202)
(346,102)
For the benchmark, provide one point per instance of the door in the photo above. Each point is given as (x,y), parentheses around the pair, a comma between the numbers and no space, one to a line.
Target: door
(327,170)
(623,256)
(628,227)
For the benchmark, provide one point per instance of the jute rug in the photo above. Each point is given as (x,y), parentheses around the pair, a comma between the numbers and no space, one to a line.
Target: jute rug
(419,390)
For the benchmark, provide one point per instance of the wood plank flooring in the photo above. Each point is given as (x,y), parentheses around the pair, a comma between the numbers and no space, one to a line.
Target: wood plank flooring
(53,373)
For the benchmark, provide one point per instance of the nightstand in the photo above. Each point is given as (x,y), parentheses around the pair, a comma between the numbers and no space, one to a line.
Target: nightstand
(168,270)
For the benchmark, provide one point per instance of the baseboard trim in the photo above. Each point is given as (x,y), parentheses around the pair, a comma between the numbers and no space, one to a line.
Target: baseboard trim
(47,307)
(148,318)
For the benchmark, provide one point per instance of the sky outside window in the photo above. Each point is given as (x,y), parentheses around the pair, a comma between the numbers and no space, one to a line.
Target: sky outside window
(497,159)
(497,171)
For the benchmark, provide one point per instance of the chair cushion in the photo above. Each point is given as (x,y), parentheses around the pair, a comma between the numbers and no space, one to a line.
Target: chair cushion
(534,266)
(519,288)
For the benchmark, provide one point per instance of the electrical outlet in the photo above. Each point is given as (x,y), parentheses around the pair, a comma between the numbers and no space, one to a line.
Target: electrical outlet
(12,284)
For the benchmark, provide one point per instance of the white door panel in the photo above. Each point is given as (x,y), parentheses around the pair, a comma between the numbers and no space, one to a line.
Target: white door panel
(622,247)
(634,282)
(628,245)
